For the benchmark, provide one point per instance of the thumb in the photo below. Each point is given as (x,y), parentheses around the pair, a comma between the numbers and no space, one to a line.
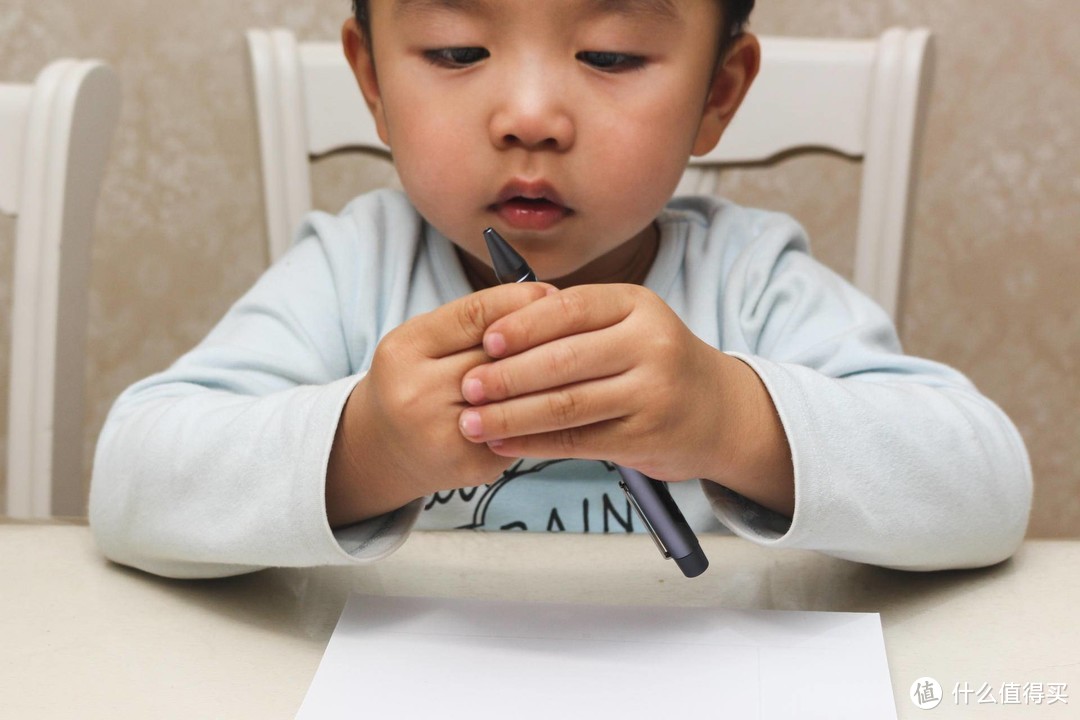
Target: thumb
(460,325)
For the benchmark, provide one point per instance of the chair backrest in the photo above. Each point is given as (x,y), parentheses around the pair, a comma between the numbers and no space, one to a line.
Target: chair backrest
(54,140)
(860,98)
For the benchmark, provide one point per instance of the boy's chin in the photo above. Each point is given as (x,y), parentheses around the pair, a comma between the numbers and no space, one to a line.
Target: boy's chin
(565,276)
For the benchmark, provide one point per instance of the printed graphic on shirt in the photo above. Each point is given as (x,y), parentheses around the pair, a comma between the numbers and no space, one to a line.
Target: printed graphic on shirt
(538,495)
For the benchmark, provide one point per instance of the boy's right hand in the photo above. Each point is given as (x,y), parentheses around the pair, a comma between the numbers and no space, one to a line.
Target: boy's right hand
(398,438)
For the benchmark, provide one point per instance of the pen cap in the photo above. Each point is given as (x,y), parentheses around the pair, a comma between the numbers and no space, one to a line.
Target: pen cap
(693,564)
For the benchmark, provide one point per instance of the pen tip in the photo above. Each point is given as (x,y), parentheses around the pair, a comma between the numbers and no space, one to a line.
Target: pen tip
(508,264)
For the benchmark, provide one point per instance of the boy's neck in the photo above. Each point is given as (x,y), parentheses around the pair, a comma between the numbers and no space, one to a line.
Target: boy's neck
(628,263)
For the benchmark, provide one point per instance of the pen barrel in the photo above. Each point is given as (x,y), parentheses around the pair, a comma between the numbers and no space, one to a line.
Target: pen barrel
(654,500)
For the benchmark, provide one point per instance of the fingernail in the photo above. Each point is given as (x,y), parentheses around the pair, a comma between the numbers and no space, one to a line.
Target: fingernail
(471,425)
(551,291)
(494,443)
(473,391)
(494,344)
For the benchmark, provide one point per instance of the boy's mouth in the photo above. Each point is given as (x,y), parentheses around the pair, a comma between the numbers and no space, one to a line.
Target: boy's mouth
(530,205)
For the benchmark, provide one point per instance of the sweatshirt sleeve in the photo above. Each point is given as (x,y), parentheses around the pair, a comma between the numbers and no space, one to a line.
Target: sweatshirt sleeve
(899,461)
(217,465)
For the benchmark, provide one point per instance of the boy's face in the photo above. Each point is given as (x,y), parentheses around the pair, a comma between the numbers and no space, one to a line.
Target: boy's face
(563,124)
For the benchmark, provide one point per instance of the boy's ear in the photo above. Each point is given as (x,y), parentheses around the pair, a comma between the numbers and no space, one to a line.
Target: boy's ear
(734,76)
(362,61)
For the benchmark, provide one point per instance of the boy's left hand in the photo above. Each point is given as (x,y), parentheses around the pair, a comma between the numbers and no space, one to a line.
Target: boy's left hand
(611,372)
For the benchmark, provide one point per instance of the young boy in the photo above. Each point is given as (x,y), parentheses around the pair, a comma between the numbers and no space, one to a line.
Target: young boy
(377,378)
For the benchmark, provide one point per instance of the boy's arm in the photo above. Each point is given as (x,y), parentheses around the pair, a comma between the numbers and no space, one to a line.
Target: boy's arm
(217,465)
(761,468)
(898,461)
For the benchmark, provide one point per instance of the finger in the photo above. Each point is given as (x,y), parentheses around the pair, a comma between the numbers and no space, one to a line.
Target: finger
(579,309)
(598,441)
(461,324)
(572,406)
(565,361)
(450,371)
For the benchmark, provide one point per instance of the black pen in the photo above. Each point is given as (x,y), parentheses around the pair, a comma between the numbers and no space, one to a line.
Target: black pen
(650,498)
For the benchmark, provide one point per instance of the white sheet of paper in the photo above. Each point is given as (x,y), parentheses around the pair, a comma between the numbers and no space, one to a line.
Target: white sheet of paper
(451,658)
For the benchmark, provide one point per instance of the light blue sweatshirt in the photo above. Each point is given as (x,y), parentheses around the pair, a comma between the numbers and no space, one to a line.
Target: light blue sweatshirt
(217,465)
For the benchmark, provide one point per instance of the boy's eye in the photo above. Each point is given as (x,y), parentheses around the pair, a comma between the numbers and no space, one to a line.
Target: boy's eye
(456,57)
(611,61)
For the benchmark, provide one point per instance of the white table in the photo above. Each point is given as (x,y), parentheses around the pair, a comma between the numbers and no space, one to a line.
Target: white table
(83,638)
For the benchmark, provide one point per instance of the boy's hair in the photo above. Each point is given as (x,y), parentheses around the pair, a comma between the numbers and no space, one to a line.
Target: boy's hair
(736,15)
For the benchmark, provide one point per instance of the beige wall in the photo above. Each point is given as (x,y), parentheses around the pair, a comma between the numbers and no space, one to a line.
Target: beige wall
(991,282)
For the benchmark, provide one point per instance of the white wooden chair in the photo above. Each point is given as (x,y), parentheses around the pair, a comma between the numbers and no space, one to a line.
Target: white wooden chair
(54,139)
(860,98)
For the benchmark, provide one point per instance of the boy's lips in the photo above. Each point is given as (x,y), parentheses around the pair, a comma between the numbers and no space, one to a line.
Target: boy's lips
(529,205)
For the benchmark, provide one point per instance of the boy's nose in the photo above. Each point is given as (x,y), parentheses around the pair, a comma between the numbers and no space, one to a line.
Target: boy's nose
(532,115)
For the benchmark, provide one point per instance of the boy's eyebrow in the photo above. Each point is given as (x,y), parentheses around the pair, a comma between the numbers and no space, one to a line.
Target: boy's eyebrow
(416,7)
(660,9)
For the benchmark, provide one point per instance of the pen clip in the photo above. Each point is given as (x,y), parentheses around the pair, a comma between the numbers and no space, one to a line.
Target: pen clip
(648,526)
